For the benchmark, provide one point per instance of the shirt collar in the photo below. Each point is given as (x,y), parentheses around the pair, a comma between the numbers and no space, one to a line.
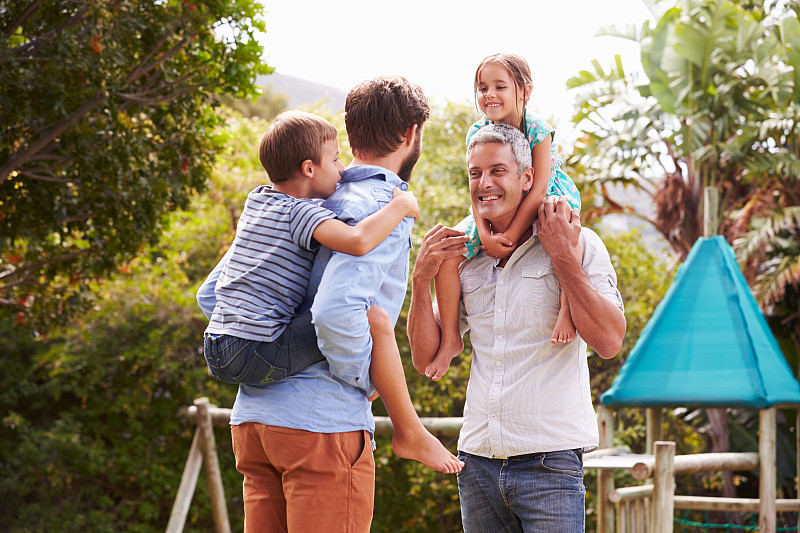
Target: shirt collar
(362,172)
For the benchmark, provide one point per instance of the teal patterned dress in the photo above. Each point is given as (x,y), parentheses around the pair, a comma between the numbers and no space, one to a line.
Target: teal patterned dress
(536,130)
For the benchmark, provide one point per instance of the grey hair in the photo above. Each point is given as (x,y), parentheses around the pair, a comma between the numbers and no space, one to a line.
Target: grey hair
(504,134)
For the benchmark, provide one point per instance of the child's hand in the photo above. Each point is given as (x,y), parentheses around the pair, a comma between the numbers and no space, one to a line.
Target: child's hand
(498,246)
(410,199)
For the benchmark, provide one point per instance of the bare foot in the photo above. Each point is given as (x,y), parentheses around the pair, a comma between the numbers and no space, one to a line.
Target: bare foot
(422,446)
(565,329)
(441,363)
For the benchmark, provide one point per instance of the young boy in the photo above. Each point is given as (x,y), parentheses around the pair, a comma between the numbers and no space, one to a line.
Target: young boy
(254,336)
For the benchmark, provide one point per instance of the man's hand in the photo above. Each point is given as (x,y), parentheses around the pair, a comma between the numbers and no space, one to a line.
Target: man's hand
(439,243)
(559,228)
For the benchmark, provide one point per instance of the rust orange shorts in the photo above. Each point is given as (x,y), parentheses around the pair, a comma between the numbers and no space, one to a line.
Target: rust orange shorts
(297,481)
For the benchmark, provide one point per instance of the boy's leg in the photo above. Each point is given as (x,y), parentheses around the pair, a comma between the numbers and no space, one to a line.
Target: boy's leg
(448,294)
(411,440)
(264,503)
(254,363)
(299,339)
(327,480)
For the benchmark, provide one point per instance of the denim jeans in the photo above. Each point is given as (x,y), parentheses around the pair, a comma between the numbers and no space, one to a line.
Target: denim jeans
(242,361)
(535,493)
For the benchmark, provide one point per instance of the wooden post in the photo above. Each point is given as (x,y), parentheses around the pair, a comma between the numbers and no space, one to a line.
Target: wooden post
(605,477)
(219,509)
(180,509)
(663,510)
(768,474)
(710,211)
(652,427)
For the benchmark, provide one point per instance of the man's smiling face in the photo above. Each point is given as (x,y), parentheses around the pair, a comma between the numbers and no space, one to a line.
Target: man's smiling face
(496,185)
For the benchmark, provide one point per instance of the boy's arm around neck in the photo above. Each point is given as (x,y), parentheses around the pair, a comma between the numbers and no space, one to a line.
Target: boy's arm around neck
(368,233)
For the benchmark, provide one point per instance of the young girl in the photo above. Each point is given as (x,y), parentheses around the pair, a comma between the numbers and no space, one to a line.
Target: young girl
(502,87)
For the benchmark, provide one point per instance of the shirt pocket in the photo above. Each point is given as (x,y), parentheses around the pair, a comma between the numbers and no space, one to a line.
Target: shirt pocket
(381,195)
(473,292)
(539,286)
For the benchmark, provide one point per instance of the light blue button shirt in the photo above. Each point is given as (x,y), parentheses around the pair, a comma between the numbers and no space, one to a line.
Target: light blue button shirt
(330,396)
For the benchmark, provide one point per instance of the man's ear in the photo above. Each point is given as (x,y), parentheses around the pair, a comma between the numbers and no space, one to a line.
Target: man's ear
(307,168)
(410,135)
(527,179)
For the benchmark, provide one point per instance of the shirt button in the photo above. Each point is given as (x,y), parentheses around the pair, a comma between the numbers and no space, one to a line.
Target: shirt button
(497,363)
(360,268)
(539,272)
(502,281)
(499,309)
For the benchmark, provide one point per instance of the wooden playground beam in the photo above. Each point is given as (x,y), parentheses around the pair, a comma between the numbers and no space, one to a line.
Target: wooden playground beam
(446,426)
(706,462)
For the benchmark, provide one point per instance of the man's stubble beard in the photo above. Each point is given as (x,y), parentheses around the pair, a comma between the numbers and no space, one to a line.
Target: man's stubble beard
(411,159)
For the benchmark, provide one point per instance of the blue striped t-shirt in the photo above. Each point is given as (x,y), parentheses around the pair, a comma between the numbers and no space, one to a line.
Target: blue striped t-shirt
(266,277)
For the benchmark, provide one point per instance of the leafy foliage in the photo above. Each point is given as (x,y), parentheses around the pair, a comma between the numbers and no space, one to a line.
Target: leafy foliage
(139,80)
(717,109)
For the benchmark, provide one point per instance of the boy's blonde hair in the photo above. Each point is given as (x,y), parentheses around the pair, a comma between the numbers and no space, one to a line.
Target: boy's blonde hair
(293,137)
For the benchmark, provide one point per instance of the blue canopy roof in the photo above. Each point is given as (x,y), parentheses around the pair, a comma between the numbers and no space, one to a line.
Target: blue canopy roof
(707,343)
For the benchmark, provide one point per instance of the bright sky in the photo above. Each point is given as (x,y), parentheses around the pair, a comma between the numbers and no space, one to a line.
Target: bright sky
(439,43)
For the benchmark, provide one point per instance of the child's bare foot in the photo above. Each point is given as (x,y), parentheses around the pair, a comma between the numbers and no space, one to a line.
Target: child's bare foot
(422,446)
(565,329)
(441,363)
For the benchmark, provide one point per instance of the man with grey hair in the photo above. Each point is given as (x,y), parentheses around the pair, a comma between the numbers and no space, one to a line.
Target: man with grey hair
(528,416)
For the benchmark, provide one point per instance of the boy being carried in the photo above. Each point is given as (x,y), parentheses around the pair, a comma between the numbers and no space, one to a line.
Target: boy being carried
(254,336)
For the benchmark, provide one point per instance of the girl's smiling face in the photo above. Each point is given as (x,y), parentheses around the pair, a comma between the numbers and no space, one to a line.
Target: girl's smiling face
(499,97)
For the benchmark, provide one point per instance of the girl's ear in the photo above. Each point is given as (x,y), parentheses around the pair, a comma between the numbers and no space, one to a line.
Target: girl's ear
(307,168)
(528,91)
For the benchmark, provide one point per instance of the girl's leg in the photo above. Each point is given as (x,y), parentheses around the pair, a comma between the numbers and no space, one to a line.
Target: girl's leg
(411,440)
(564,331)
(565,328)
(448,294)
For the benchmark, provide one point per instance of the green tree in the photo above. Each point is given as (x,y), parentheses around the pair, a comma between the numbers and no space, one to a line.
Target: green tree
(108,111)
(718,107)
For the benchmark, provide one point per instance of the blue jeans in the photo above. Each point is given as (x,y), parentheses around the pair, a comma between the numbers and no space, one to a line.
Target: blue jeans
(242,361)
(534,493)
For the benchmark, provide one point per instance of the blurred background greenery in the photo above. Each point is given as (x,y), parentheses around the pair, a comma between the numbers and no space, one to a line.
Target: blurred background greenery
(124,166)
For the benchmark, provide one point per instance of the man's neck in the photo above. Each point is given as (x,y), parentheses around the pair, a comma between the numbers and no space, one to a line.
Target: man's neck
(390,162)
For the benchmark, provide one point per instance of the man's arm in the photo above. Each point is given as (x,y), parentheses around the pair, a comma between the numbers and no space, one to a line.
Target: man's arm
(424,334)
(598,320)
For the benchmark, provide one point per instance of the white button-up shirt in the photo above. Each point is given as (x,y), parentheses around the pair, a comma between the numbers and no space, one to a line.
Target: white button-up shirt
(526,395)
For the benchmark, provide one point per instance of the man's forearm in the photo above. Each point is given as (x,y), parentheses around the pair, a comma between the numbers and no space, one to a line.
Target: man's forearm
(423,330)
(598,320)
